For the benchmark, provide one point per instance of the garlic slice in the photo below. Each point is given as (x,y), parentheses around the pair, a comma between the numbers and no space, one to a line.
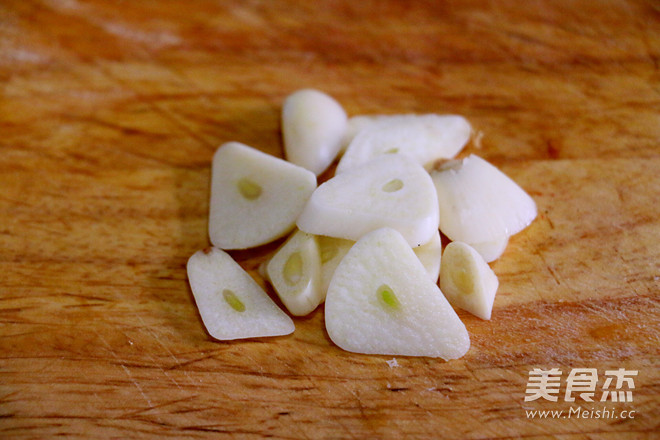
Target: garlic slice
(255,197)
(232,305)
(467,281)
(423,138)
(390,191)
(478,203)
(491,250)
(295,273)
(313,127)
(381,301)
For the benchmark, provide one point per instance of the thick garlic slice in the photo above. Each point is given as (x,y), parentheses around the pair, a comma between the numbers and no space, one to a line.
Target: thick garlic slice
(295,273)
(478,203)
(491,250)
(389,191)
(467,281)
(430,254)
(356,124)
(313,126)
(332,251)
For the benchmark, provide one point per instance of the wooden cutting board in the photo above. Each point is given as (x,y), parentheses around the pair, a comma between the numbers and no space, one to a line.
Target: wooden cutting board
(110,113)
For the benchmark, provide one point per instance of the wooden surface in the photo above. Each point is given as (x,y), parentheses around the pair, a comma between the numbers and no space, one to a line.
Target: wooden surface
(110,113)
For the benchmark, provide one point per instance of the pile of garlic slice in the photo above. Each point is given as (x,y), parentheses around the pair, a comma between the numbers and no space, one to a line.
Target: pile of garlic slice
(366,241)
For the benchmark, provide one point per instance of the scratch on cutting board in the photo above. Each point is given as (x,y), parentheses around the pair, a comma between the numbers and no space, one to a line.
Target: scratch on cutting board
(191,361)
(185,130)
(534,286)
(257,364)
(159,39)
(126,370)
(133,414)
(176,360)
(155,362)
(347,429)
(548,267)
(602,312)
(137,385)
(466,365)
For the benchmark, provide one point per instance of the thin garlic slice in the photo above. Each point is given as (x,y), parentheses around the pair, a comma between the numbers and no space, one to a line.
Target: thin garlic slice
(381,301)
(232,305)
(255,197)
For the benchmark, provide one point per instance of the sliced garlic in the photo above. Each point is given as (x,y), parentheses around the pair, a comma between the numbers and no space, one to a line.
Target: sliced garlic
(491,250)
(381,301)
(429,255)
(295,273)
(390,191)
(332,252)
(232,305)
(313,126)
(423,138)
(478,203)
(255,197)
(467,281)
(354,125)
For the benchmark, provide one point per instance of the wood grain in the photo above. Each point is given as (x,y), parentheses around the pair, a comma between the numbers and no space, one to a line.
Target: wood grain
(110,113)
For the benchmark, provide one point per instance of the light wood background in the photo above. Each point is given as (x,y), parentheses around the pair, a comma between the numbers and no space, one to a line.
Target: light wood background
(110,112)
